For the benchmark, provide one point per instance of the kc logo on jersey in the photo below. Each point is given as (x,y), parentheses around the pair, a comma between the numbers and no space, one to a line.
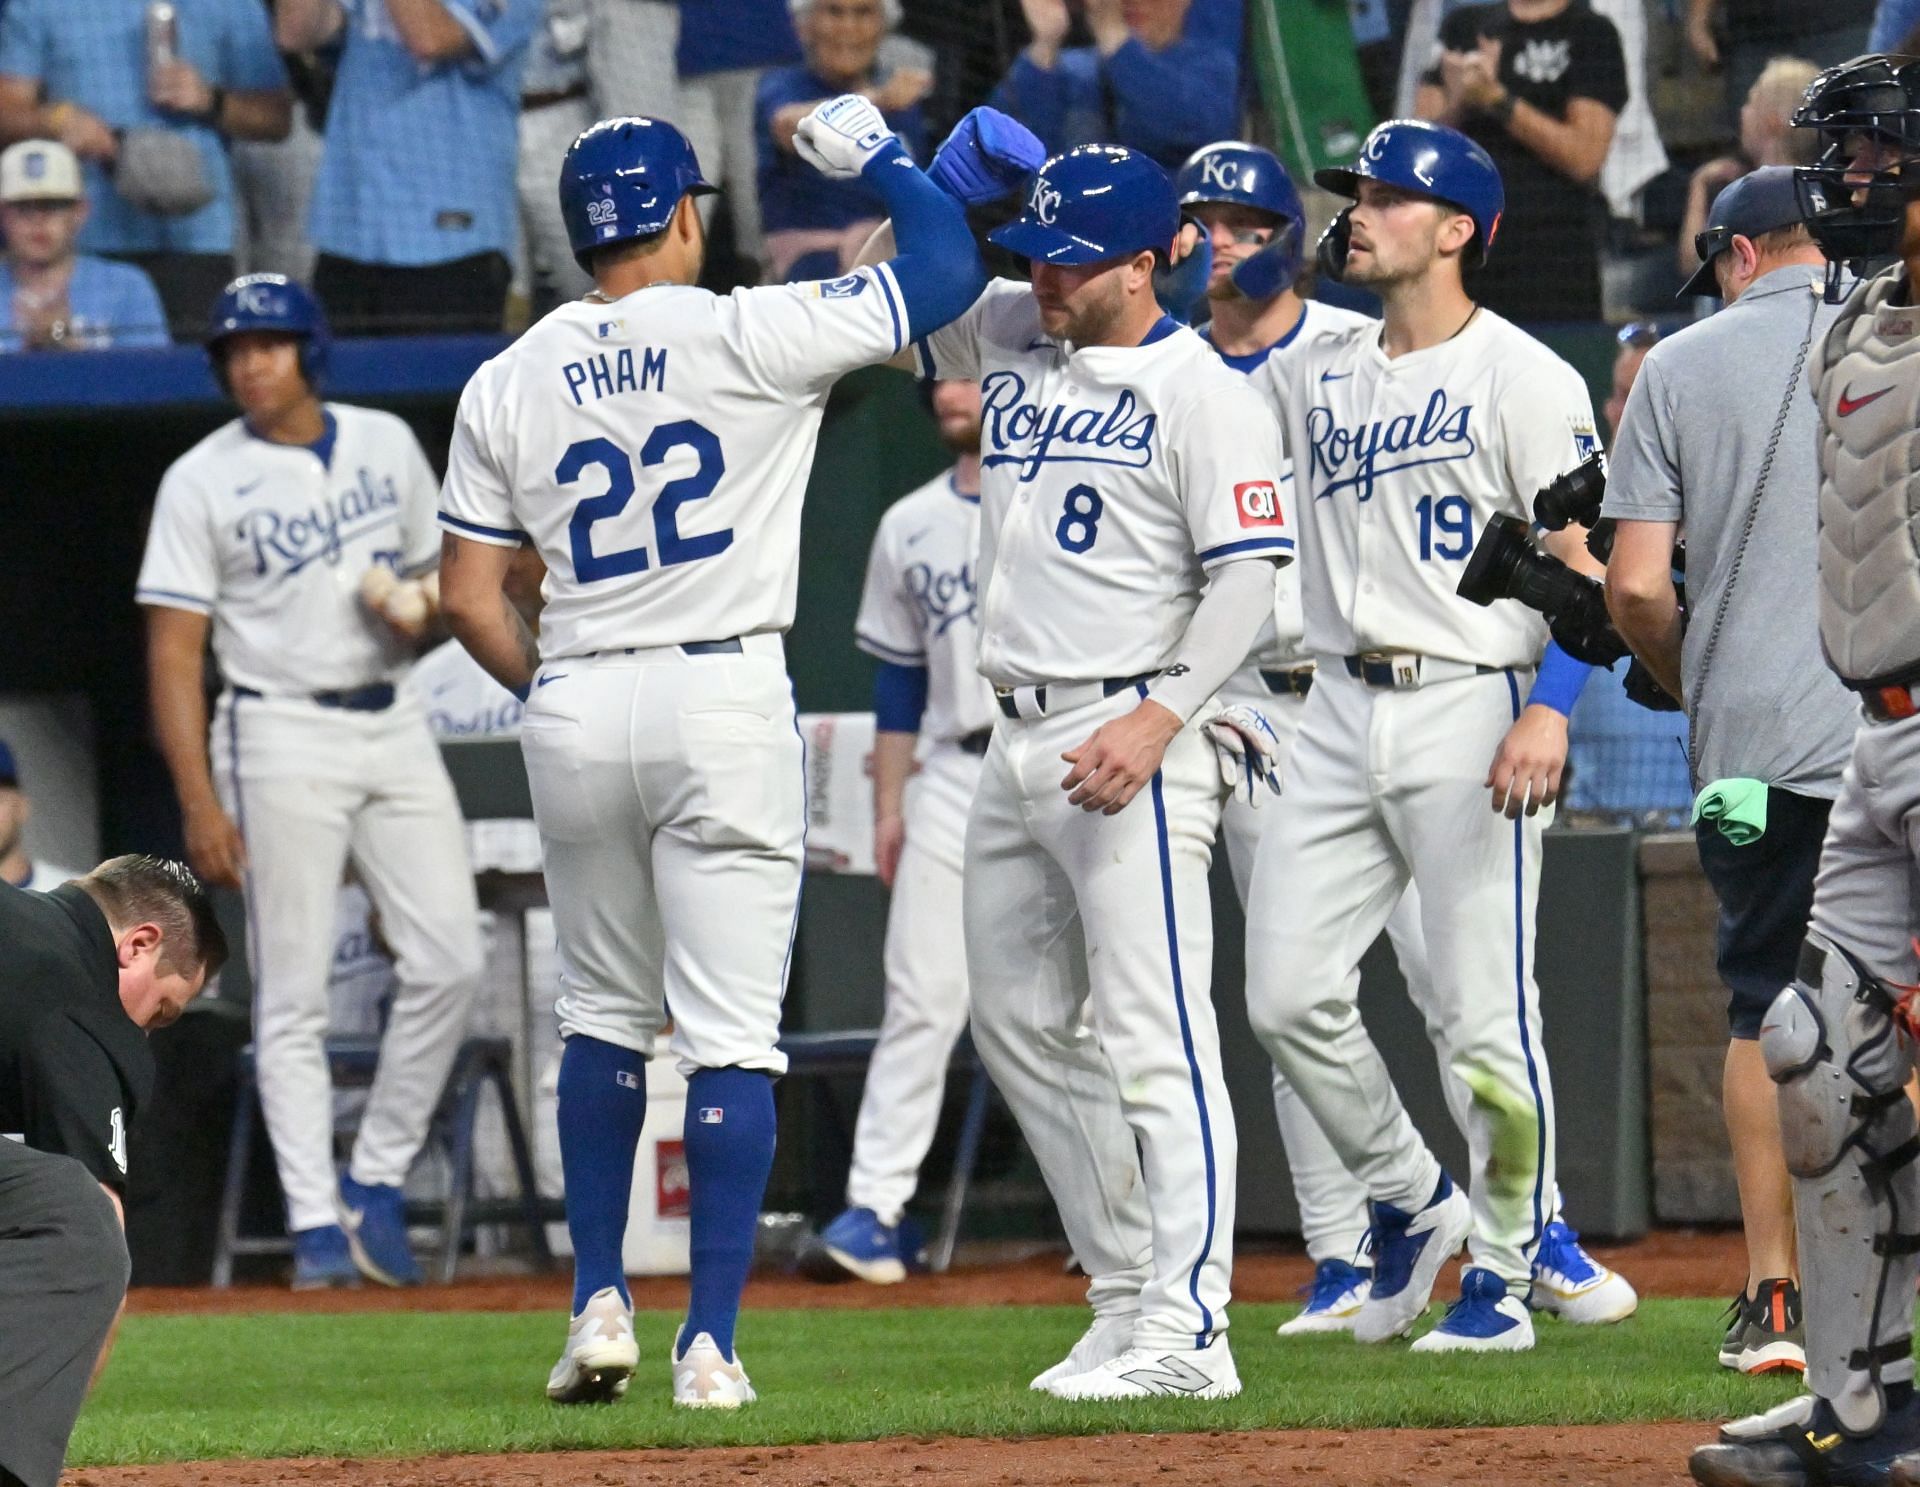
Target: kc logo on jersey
(1358,457)
(1019,433)
(1258,504)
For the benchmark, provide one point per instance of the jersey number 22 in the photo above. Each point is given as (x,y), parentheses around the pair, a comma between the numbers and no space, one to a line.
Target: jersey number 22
(671,548)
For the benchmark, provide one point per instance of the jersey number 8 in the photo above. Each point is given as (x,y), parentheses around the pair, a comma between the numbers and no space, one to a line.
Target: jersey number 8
(1080,521)
(590,566)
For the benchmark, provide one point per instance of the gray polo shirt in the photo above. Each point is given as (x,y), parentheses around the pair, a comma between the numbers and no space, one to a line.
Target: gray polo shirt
(1689,450)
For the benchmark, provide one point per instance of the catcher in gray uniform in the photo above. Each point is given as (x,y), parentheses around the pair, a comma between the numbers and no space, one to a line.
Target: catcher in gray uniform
(1840,1041)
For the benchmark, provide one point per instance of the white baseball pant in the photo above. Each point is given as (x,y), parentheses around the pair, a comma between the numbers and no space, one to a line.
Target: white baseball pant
(310,786)
(926,1006)
(1090,951)
(1389,787)
(669,794)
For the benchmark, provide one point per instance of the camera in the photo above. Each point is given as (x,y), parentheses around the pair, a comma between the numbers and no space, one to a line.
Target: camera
(1506,564)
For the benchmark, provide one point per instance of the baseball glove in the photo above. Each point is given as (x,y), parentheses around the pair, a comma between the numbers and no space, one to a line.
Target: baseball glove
(160,171)
(1247,749)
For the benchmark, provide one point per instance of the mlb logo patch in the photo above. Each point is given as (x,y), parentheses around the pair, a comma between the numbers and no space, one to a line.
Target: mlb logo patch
(1258,503)
(711,1115)
(626,1079)
(609,328)
(845,288)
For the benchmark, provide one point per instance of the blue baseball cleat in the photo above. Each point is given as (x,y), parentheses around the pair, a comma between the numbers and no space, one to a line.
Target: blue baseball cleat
(322,1260)
(1574,1286)
(1339,1291)
(858,1243)
(1408,1250)
(375,1219)
(1486,1319)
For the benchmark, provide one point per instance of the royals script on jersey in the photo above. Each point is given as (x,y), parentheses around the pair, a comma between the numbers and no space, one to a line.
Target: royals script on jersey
(272,540)
(1112,478)
(920,608)
(655,451)
(1398,465)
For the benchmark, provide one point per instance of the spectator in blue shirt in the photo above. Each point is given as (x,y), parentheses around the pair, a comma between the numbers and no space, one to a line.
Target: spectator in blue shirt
(1141,83)
(1894,25)
(51,297)
(814,227)
(556,104)
(80,73)
(725,48)
(414,209)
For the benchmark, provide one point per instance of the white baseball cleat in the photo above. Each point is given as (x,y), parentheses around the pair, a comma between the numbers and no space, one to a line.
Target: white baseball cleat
(600,1355)
(704,1378)
(1409,1250)
(1157,1373)
(1487,1318)
(1104,1341)
(1574,1286)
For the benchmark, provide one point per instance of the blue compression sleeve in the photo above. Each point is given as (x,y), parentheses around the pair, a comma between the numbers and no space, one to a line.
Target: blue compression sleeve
(899,697)
(936,263)
(603,1102)
(1560,681)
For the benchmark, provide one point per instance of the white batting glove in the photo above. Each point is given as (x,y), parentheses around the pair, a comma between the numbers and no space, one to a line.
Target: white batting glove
(1247,749)
(840,136)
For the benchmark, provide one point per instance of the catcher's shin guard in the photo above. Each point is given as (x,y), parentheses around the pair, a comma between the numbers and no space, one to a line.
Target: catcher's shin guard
(1831,1044)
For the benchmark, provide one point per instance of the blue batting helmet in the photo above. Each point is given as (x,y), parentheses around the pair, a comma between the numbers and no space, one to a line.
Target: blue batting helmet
(1435,161)
(622,179)
(1236,173)
(274,303)
(1092,204)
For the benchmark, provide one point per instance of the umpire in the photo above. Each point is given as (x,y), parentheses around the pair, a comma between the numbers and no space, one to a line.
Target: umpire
(1719,438)
(86,971)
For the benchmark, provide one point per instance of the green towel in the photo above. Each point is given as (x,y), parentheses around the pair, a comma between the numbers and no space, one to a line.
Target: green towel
(1737,807)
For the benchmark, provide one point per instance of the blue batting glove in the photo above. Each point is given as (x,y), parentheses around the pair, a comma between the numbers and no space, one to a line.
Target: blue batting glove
(987,155)
(1181,286)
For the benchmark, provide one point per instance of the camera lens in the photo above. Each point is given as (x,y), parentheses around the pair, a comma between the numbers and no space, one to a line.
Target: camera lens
(1575,497)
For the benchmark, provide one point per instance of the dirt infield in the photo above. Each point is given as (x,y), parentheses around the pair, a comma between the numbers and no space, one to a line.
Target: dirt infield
(1548,1456)
(1677,1262)
(1674,1263)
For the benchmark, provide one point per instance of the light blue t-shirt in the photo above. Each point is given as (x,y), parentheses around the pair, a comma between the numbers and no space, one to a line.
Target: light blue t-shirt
(110,304)
(94,53)
(418,164)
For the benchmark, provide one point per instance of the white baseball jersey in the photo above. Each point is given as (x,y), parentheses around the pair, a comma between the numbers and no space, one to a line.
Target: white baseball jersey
(273,541)
(1280,641)
(918,607)
(460,699)
(1112,477)
(1398,464)
(704,408)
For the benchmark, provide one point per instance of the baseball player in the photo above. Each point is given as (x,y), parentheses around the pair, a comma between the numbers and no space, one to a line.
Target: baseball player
(1243,197)
(919,618)
(653,441)
(1123,470)
(272,532)
(1839,1041)
(17,866)
(1406,437)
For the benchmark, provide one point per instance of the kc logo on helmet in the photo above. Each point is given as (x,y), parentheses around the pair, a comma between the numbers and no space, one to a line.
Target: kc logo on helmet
(1258,504)
(1222,173)
(258,299)
(1044,202)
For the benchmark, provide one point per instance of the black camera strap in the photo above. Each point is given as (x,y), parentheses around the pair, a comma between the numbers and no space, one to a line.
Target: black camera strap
(1698,690)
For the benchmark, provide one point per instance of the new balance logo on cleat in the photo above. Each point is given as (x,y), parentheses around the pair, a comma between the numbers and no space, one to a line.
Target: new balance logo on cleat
(1171,1375)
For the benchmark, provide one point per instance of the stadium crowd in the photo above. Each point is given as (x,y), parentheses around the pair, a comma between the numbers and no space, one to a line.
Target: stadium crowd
(399,154)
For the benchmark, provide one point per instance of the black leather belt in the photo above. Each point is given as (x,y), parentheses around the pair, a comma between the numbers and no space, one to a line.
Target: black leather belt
(1382,670)
(1296,682)
(376,698)
(728,647)
(976,743)
(1108,687)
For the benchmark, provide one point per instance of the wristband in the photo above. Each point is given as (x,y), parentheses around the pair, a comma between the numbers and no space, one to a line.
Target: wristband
(1560,680)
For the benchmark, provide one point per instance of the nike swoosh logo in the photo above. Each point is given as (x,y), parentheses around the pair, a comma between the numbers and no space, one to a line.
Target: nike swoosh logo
(916,536)
(244,489)
(1850,404)
(1334,376)
(557,677)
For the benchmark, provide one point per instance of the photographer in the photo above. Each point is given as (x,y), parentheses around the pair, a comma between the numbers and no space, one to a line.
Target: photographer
(1719,438)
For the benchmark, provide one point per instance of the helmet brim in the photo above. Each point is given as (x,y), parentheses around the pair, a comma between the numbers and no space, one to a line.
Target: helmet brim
(1340,181)
(1042,244)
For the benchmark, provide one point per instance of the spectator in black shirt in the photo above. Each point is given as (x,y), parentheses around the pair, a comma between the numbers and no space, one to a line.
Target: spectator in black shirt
(1540,84)
(85,972)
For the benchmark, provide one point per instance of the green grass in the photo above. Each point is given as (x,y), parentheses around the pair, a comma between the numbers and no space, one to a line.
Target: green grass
(185,1388)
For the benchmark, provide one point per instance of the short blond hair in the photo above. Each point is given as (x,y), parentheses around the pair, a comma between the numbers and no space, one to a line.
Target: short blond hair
(1778,90)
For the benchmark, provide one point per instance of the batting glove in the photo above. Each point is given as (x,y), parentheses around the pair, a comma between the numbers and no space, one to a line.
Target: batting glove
(987,155)
(840,136)
(1247,749)
(1180,287)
